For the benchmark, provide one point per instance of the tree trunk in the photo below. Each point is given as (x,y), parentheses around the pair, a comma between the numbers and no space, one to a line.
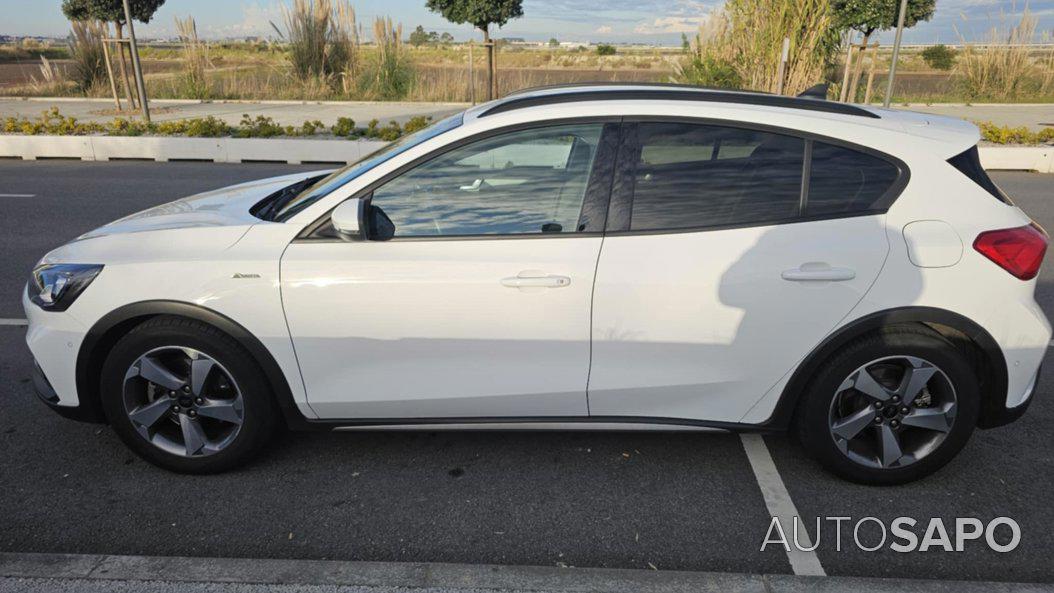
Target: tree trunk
(858,71)
(123,66)
(487,43)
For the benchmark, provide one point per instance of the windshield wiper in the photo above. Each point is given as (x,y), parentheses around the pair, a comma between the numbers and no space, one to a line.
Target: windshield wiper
(273,203)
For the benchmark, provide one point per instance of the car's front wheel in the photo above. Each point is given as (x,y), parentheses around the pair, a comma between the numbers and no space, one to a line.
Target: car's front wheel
(187,397)
(891,407)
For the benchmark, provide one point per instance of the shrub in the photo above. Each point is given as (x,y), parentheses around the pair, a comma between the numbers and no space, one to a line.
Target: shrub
(606,50)
(997,134)
(261,126)
(345,126)
(939,56)
(416,123)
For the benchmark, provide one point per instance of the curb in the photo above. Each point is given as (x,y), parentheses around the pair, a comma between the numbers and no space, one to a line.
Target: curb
(456,576)
(332,151)
(156,148)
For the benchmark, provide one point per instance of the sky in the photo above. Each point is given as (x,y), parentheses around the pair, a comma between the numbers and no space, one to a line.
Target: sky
(635,21)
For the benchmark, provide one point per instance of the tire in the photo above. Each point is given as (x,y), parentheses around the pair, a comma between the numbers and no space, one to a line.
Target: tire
(942,413)
(199,400)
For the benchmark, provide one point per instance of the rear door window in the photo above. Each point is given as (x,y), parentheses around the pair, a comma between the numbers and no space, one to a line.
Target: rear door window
(690,176)
(846,181)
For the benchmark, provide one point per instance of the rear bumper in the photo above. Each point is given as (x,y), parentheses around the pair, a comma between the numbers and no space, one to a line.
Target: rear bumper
(1005,415)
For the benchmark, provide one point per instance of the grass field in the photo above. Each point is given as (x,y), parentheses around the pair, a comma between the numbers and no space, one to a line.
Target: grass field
(441,73)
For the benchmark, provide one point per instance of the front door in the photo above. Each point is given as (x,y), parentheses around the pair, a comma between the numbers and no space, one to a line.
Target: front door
(478,306)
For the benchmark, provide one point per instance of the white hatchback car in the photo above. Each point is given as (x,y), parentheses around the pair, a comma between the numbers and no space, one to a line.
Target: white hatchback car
(592,256)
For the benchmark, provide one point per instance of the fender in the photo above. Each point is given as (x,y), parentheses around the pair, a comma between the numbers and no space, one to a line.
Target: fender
(115,324)
(993,376)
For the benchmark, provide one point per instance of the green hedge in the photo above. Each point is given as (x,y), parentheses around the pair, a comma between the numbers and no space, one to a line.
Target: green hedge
(51,122)
(997,134)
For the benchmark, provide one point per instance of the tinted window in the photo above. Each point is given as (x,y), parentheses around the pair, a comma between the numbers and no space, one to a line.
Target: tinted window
(525,182)
(690,176)
(844,181)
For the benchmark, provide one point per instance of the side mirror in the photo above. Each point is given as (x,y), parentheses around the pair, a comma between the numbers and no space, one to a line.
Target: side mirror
(348,219)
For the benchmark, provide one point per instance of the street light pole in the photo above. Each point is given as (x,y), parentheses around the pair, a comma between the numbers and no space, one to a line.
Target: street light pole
(896,53)
(140,84)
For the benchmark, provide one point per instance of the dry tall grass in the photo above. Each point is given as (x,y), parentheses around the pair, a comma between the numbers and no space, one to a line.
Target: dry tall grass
(86,51)
(391,75)
(194,80)
(743,42)
(1002,68)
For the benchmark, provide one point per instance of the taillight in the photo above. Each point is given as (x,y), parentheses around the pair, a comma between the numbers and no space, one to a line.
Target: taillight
(1018,251)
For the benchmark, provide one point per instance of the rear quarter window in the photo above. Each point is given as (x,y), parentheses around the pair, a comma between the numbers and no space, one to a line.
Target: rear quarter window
(969,163)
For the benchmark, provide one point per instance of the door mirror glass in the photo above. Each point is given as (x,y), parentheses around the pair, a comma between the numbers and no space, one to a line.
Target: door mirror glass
(347,219)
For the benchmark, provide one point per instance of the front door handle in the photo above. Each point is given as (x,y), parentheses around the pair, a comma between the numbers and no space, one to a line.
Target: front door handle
(535,279)
(818,272)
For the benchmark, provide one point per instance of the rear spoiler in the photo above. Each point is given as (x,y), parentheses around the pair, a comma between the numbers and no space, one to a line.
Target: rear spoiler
(816,91)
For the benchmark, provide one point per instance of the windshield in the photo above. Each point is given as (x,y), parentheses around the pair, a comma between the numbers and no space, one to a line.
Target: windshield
(342,176)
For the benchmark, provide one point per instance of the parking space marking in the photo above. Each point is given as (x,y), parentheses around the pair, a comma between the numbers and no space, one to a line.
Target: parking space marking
(14,322)
(779,503)
(18,195)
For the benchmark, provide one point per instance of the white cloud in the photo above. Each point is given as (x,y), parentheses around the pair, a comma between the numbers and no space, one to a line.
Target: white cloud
(670,24)
(256,20)
(603,29)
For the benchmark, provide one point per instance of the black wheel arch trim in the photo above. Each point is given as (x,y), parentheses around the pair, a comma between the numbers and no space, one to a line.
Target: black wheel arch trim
(993,405)
(100,338)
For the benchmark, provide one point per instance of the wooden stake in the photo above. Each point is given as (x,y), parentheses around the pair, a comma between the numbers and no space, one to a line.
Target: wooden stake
(109,67)
(871,75)
(842,92)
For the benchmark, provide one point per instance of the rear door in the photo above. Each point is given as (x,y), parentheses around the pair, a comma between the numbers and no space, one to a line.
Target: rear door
(730,253)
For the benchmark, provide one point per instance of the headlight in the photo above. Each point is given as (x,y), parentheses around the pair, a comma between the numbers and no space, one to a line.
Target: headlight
(54,287)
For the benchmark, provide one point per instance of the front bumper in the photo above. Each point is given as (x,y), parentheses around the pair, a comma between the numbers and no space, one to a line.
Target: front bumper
(47,394)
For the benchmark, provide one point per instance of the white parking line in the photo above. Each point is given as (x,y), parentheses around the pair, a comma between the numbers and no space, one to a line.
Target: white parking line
(779,503)
(18,195)
(14,322)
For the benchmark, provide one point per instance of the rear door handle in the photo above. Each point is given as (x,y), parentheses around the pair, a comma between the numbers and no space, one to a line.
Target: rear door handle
(818,272)
(535,279)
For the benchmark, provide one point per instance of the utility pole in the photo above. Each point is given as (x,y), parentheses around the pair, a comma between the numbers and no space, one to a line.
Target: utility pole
(139,82)
(896,53)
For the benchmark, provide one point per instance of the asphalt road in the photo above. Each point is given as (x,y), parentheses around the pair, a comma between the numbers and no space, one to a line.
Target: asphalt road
(630,500)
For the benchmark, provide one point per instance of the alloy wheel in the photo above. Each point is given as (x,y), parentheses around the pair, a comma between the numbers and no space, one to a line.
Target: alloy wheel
(183,401)
(892,412)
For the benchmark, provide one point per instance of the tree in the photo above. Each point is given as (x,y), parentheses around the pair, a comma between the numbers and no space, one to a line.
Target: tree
(606,50)
(868,16)
(554,42)
(940,57)
(112,11)
(481,14)
(419,36)
(446,38)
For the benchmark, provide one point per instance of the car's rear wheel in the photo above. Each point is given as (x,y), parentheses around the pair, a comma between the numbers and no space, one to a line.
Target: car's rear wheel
(187,397)
(891,407)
